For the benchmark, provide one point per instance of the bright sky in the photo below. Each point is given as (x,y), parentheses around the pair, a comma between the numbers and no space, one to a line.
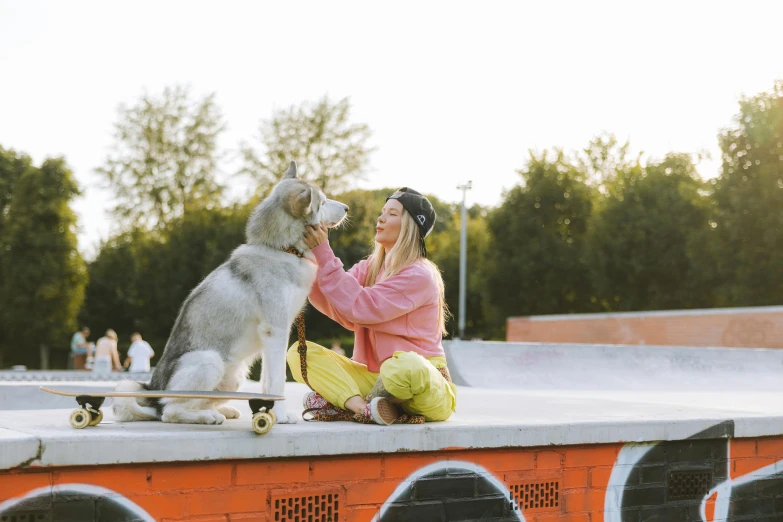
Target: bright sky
(453,91)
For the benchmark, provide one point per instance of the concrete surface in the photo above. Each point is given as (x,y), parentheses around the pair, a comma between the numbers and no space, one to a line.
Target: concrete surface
(541,366)
(521,395)
(69,375)
(486,419)
(750,310)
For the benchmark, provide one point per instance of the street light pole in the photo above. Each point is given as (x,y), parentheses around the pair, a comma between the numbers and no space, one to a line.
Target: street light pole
(463,258)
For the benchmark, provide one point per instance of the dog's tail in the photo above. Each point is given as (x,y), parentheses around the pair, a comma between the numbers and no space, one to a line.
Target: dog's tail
(128,409)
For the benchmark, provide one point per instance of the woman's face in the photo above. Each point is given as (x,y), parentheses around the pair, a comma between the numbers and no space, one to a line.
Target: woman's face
(387,228)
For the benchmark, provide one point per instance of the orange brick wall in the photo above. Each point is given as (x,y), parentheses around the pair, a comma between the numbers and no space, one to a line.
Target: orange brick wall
(758,329)
(244,490)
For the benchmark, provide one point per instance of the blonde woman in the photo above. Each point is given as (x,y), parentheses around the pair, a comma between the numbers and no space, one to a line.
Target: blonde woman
(106,355)
(394,303)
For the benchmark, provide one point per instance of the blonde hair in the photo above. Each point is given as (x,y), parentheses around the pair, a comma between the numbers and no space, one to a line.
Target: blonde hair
(406,251)
(111,334)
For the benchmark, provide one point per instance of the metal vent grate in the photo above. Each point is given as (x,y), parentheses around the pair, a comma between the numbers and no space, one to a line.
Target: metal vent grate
(535,495)
(688,484)
(306,508)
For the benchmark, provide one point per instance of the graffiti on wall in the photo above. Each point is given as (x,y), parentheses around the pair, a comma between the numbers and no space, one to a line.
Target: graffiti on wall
(691,479)
(672,481)
(82,502)
(450,490)
(709,477)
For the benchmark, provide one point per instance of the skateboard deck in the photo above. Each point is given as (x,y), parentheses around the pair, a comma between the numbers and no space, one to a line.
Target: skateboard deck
(91,399)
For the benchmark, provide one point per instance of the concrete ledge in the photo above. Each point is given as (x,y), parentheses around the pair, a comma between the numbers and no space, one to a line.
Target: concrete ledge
(17,449)
(486,419)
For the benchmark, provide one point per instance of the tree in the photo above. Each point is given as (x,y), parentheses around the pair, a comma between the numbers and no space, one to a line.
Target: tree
(12,166)
(444,250)
(331,151)
(164,157)
(646,238)
(44,276)
(605,164)
(748,196)
(139,280)
(535,264)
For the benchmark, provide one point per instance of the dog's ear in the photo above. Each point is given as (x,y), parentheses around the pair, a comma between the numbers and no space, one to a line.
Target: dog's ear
(302,202)
(291,172)
(313,201)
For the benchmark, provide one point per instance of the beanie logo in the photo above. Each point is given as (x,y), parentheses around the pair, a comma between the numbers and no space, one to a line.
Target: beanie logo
(421,219)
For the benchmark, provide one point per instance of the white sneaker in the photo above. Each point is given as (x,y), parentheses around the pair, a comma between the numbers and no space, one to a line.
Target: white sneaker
(383,411)
(313,401)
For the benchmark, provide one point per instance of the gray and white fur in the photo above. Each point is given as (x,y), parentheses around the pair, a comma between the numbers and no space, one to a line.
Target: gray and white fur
(241,311)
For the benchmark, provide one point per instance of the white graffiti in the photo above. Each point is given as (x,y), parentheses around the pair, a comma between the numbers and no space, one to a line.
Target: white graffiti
(81,490)
(439,466)
(631,454)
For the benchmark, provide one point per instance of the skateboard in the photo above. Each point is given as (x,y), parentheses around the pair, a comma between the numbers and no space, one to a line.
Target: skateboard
(91,399)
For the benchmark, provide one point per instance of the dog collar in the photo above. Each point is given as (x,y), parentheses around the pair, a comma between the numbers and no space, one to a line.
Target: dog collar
(292,250)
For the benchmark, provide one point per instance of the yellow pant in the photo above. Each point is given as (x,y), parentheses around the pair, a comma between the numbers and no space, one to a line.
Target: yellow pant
(406,375)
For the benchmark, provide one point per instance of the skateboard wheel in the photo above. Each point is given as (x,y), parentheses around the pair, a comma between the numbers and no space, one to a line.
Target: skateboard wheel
(262,423)
(96,418)
(80,418)
(271,413)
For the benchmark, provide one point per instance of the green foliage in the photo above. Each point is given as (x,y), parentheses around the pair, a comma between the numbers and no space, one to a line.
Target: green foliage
(605,163)
(139,280)
(535,262)
(330,151)
(164,157)
(748,198)
(444,250)
(43,275)
(12,166)
(643,243)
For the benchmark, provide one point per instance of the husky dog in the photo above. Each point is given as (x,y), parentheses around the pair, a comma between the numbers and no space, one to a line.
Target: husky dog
(243,310)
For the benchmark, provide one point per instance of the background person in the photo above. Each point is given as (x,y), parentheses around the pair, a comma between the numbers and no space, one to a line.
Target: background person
(139,354)
(336,348)
(79,346)
(106,355)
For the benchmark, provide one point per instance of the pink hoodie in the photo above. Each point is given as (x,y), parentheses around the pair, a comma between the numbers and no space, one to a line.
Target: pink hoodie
(398,314)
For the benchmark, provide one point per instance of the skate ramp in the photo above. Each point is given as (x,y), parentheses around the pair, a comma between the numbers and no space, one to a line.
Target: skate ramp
(19,390)
(545,366)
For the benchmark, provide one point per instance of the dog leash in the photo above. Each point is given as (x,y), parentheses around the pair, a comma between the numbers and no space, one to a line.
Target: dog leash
(302,348)
(300,330)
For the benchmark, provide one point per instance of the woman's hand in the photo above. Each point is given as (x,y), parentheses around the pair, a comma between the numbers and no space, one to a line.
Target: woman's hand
(315,235)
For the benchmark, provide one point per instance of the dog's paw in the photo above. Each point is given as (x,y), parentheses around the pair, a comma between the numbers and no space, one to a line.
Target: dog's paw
(229,412)
(192,417)
(288,418)
(211,417)
(283,415)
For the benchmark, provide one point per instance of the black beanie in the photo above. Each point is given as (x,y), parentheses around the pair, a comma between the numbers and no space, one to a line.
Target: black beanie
(420,208)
